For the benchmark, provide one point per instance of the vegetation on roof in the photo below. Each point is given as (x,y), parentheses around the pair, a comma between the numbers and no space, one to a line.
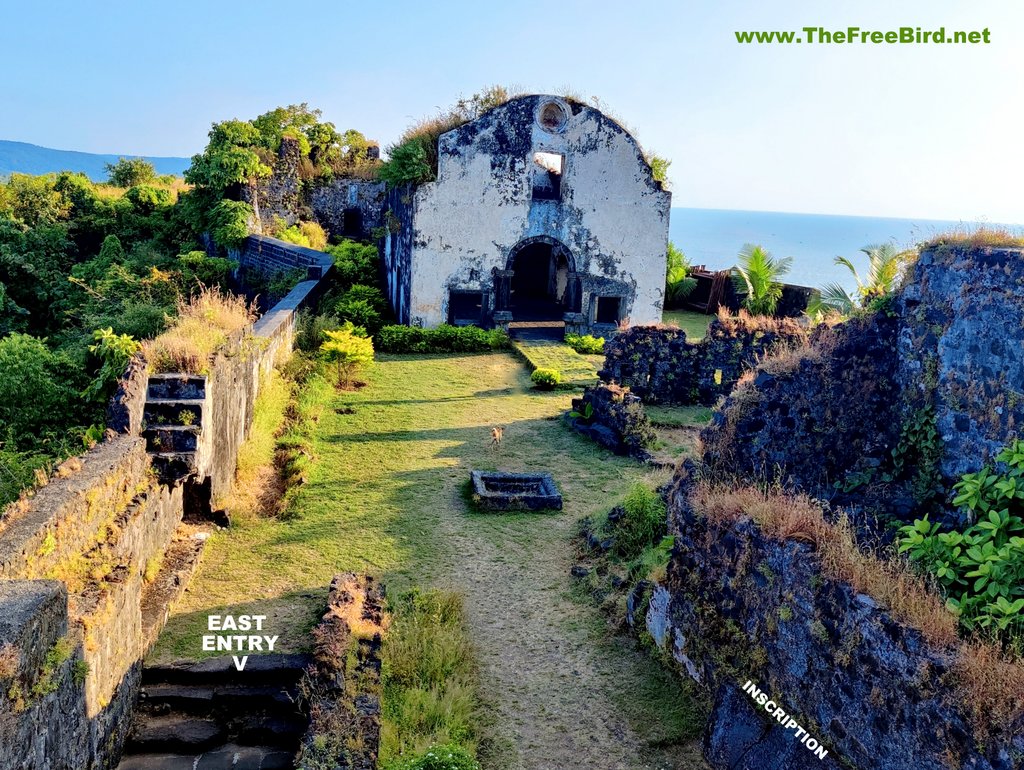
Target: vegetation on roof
(413,158)
(977,237)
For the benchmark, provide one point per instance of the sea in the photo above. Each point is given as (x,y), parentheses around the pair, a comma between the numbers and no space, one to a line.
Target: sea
(713,237)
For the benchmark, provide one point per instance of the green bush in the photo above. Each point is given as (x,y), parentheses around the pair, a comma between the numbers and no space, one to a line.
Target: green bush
(362,305)
(981,569)
(113,351)
(443,339)
(37,393)
(348,348)
(585,344)
(354,262)
(546,379)
(439,758)
(311,328)
(642,522)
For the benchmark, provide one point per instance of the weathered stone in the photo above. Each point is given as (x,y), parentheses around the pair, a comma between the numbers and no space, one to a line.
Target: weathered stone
(461,245)
(744,606)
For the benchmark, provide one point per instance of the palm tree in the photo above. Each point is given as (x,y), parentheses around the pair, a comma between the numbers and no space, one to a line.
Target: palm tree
(678,281)
(885,266)
(757,275)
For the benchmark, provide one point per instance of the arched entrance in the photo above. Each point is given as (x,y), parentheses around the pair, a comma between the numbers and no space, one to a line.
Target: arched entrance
(541,273)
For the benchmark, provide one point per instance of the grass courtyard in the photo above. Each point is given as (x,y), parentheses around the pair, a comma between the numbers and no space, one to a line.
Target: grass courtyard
(694,324)
(385,494)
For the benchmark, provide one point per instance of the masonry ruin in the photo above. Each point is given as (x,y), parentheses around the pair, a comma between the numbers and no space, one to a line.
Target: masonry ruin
(543,210)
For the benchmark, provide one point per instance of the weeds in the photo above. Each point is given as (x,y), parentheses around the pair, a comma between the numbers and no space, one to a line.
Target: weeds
(203,326)
(429,678)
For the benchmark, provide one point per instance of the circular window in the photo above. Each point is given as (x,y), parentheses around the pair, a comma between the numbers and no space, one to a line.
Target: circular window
(552,117)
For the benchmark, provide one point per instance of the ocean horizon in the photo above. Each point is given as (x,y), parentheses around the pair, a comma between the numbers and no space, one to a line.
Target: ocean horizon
(713,237)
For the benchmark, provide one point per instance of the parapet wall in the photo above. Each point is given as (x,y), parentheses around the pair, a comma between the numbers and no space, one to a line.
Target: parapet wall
(270,255)
(737,605)
(79,607)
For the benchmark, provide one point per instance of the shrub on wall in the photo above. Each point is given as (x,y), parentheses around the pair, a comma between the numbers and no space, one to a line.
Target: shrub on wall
(443,339)
(981,569)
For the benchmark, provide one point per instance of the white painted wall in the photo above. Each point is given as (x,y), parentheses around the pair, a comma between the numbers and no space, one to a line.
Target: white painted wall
(613,217)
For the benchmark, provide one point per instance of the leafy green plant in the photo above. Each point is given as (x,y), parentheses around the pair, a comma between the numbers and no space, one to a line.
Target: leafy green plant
(585,413)
(920,450)
(546,379)
(348,350)
(114,351)
(678,281)
(757,276)
(642,522)
(981,569)
(585,344)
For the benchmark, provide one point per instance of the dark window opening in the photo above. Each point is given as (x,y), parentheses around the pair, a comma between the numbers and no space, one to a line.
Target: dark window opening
(352,222)
(608,310)
(547,176)
(465,307)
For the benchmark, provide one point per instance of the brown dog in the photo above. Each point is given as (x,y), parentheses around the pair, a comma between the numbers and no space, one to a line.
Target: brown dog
(496,436)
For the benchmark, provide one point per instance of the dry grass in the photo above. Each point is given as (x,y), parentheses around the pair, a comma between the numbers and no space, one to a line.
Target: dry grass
(796,517)
(744,322)
(976,237)
(989,682)
(992,685)
(203,326)
(9,659)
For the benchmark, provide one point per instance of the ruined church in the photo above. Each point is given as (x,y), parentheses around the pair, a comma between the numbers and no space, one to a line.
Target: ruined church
(543,210)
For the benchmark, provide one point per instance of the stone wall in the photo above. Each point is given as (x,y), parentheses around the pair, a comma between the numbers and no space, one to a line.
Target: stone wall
(737,606)
(815,416)
(961,349)
(844,417)
(661,366)
(74,558)
(397,249)
(615,419)
(344,207)
(350,208)
(270,255)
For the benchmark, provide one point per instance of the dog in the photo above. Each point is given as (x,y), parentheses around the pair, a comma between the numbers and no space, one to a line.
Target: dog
(496,435)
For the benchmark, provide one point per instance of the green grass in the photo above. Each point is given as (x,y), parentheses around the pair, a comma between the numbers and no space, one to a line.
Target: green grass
(576,369)
(694,324)
(678,416)
(385,495)
(429,677)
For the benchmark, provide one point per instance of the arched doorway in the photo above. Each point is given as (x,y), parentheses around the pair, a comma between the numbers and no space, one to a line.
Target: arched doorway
(541,270)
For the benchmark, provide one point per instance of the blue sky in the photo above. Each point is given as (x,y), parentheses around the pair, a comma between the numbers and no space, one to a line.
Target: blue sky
(914,131)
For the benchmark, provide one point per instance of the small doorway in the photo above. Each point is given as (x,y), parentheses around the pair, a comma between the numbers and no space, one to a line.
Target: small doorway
(540,277)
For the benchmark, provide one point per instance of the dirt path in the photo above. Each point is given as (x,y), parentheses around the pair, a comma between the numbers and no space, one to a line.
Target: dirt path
(552,684)
(565,692)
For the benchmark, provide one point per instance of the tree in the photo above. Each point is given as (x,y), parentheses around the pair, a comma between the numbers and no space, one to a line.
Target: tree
(36,397)
(347,349)
(129,172)
(885,267)
(757,275)
(678,281)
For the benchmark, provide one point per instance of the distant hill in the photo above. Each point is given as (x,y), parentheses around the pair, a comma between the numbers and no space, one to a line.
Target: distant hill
(26,158)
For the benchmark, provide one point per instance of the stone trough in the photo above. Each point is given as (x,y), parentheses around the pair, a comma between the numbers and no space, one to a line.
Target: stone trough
(498,491)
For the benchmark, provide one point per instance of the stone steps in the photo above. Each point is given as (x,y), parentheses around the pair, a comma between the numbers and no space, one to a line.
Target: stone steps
(176,386)
(207,714)
(172,438)
(221,758)
(160,412)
